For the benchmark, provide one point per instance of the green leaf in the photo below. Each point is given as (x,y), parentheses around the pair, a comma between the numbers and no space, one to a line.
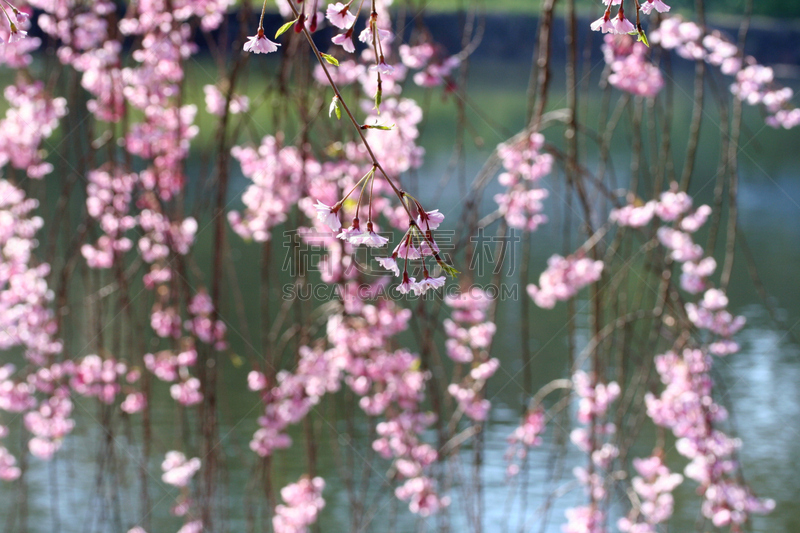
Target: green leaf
(378,100)
(330,59)
(643,38)
(283,29)
(384,128)
(334,108)
(449,270)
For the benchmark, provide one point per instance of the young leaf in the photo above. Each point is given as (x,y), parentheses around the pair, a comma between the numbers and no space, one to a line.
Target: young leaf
(330,59)
(448,270)
(643,38)
(283,29)
(334,108)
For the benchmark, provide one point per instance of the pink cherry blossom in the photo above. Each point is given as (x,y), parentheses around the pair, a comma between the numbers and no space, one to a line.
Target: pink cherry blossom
(526,436)
(603,24)
(389,263)
(563,279)
(630,69)
(369,238)
(339,15)
(177,469)
(195,526)
(622,25)
(345,40)
(328,216)
(303,502)
(32,116)
(687,408)
(8,469)
(187,392)
(256,381)
(259,44)
(407,285)
(385,36)
(215,102)
(133,403)
(633,216)
(648,5)
(422,286)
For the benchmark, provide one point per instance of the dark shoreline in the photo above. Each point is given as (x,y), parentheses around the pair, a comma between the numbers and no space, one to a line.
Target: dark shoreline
(511,37)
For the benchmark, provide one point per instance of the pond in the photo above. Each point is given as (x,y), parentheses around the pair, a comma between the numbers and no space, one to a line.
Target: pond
(759,384)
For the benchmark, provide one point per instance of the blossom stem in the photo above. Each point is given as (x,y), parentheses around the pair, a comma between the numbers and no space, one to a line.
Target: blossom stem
(10,22)
(371,188)
(261,20)
(364,177)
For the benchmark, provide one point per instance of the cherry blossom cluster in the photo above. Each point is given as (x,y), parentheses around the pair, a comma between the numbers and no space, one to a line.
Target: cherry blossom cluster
(46,419)
(754,84)
(594,400)
(108,201)
(292,397)
(417,244)
(14,397)
(394,146)
(469,338)
(434,66)
(96,377)
(178,471)
(26,319)
(9,470)
(85,44)
(171,367)
(89,42)
(31,118)
(161,235)
(674,207)
(276,172)
(377,35)
(711,315)
(163,136)
(421,494)
(686,406)
(302,503)
(49,423)
(524,437)
(390,384)
(524,166)
(563,278)
(216,102)
(621,25)
(202,325)
(84,38)
(340,17)
(630,70)
(17,46)
(398,152)
(653,487)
